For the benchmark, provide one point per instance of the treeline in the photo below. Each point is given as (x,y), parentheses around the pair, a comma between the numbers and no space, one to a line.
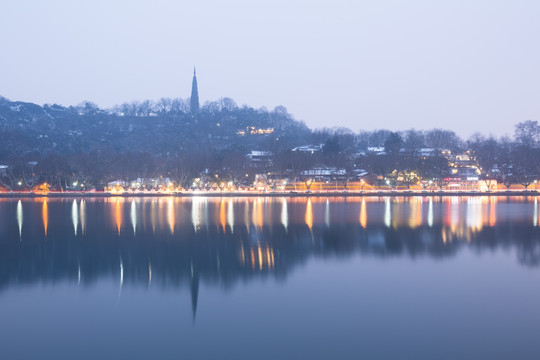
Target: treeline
(90,147)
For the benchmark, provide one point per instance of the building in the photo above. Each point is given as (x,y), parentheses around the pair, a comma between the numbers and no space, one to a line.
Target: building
(159,183)
(324,174)
(309,149)
(465,174)
(426,152)
(465,166)
(260,158)
(377,150)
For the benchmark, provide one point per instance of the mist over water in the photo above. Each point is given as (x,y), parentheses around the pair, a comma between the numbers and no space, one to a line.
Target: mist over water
(241,277)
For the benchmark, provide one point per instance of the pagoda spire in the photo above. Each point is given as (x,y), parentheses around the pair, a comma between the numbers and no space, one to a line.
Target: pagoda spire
(194,104)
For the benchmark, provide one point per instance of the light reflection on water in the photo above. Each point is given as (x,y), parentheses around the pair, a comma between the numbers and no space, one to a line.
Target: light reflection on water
(258,222)
(535,214)
(20,217)
(133,216)
(418,259)
(75,216)
(45,216)
(461,216)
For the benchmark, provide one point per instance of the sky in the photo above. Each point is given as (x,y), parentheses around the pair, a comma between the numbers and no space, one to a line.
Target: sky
(468,66)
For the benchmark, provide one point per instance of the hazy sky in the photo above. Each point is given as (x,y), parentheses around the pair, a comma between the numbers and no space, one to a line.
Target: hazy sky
(464,65)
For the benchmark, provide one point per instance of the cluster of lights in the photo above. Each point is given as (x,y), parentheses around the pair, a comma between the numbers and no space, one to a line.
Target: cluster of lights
(255,131)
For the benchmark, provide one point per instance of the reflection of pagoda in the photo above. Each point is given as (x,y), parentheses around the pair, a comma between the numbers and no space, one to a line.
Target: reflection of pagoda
(194,286)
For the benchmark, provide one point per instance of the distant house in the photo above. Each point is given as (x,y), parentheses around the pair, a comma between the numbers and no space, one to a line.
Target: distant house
(358,154)
(259,158)
(310,149)
(359,173)
(466,173)
(324,173)
(495,171)
(447,153)
(377,150)
(464,166)
(252,130)
(426,152)
(116,187)
(117,183)
(151,183)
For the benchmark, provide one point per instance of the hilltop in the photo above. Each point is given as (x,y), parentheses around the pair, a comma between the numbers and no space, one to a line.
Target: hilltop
(165,127)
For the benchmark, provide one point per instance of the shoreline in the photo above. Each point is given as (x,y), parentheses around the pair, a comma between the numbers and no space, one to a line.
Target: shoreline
(291,194)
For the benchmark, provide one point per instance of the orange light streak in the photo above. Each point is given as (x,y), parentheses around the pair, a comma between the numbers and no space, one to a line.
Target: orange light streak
(171,215)
(222,215)
(45,216)
(118,214)
(309,215)
(363,214)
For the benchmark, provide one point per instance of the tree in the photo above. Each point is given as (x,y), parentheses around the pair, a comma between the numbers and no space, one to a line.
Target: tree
(523,165)
(433,169)
(393,143)
(414,141)
(7,178)
(380,167)
(440,139)
(527,133)
(486,152)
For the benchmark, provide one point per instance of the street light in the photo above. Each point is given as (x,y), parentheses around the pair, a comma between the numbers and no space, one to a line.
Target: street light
(308,184)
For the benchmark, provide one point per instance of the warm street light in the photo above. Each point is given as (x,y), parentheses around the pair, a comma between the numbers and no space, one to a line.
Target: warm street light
(308,184)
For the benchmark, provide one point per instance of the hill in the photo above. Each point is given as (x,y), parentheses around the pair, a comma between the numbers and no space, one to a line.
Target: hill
(158,128)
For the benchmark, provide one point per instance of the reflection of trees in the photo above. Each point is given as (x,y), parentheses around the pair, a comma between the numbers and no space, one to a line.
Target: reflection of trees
(528,250)
(225,258)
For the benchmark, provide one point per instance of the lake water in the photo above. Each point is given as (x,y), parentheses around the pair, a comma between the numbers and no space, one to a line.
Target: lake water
(270,278)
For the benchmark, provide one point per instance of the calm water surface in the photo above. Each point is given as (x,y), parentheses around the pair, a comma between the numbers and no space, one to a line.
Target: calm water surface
(270,278)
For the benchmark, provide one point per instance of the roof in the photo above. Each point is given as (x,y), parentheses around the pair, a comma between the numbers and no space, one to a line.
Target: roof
(260,153)
(308,148)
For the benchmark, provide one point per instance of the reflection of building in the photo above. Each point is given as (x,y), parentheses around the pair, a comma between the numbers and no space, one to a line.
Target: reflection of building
(194,287)
(259,257)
